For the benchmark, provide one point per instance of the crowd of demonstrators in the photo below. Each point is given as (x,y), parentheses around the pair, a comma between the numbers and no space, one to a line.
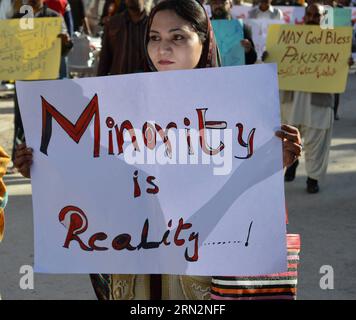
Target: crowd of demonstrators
(179,36)
(40,10)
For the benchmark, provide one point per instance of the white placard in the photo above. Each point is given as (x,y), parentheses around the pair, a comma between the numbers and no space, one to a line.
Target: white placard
(259,28)
(97,210)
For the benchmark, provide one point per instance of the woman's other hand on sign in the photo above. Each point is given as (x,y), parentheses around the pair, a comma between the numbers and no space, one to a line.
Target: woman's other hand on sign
(264,56)
(292,144)
(23,159)
(247,45)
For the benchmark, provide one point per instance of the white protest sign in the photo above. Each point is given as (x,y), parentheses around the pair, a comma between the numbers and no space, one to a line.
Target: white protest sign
(288,12)
(240,12)
(292,14)
(259,28)
(187,201)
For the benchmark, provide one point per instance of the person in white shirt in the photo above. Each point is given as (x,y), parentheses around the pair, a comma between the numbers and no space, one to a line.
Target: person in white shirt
(265,11)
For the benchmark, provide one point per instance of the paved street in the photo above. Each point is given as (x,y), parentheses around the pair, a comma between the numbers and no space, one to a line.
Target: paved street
(326,221)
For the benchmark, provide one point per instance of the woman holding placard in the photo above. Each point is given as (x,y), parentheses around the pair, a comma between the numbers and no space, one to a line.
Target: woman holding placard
(179,36)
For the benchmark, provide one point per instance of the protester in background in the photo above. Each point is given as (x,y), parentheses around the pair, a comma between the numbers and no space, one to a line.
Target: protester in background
(63,8)
(221,9)
(265,11)
(312,113)
(40,10)
(191,45)
(80,22)
(123,41)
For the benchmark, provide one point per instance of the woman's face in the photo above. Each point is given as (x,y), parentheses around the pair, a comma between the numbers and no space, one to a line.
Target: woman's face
(173,44)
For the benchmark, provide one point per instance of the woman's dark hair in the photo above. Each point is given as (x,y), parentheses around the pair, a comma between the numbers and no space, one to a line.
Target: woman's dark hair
(190,10)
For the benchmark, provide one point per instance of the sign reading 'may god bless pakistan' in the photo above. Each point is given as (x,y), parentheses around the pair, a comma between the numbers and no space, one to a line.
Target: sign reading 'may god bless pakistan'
(167,172)
(310,58)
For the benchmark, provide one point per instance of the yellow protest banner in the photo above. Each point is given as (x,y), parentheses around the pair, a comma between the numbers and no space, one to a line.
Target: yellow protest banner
(30,54)
(310,58)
